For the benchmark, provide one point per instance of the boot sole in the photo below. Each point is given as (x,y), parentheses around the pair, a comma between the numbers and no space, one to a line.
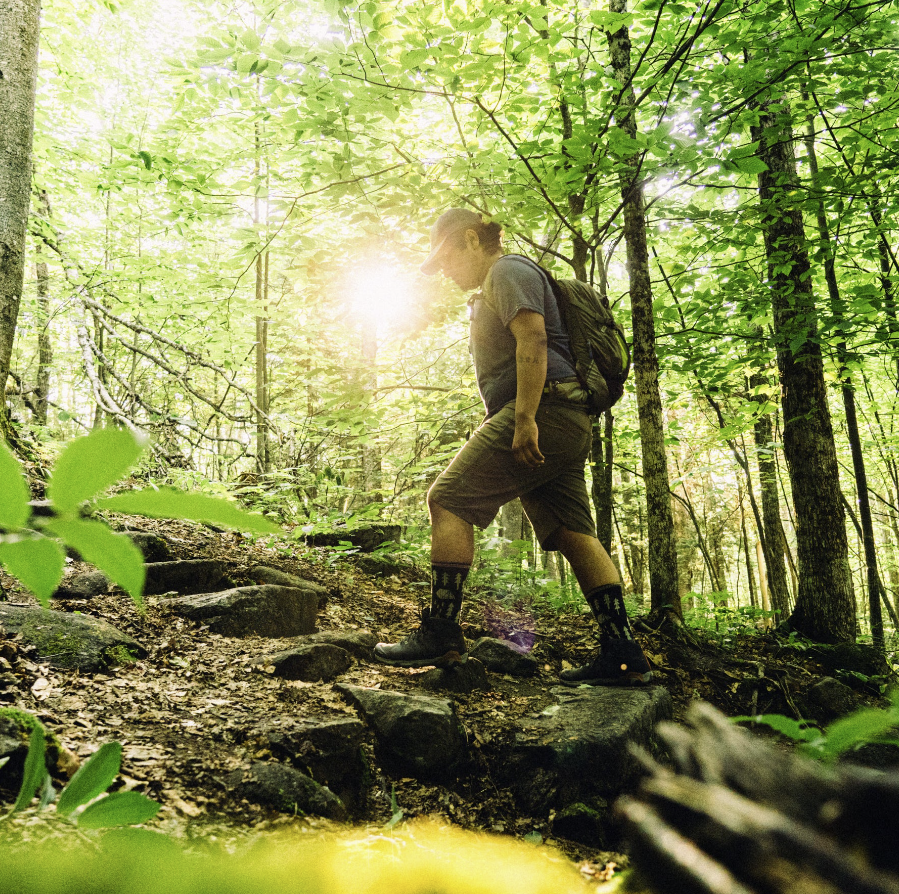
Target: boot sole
(632,679)
(448,659)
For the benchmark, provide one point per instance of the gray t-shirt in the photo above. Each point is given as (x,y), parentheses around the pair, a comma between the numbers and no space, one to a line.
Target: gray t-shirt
(514,284)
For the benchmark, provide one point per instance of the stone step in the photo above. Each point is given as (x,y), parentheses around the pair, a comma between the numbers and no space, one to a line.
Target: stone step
(185,576)
(417,735)
(310,663)
(71,641)
(250,611)
(575,756)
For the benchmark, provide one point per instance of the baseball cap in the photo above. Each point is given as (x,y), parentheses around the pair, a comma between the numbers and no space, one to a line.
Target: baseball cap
(449,223)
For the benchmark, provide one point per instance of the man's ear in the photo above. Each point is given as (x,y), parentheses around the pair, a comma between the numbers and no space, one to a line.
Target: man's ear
(472,240)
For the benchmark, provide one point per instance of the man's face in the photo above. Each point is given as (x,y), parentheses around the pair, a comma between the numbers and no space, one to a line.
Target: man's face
(462,265)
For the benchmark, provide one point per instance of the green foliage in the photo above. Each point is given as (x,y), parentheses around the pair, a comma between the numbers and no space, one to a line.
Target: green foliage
(35,771)
(36,561)
(92,779)
(169,503)
(14,494)
(863,727)
(85,468)
(89,465)
(713,614)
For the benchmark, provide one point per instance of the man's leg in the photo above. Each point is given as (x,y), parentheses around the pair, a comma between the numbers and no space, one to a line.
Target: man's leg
(439,639)
(452,552)
(620,659)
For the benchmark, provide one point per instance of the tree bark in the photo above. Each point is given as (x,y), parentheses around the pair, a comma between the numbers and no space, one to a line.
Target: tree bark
(602,456)
(45,346)
(848,391)
(19,31)
(825,610)
(662,553)
(772,536)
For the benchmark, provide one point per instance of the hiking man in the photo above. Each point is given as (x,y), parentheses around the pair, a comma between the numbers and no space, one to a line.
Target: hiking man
(533,444)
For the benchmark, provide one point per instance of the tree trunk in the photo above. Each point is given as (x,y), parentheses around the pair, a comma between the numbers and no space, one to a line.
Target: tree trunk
(19,30)
(749,575)
(662,553)
(848,392)
(602,455)
(45,347)
(772,536)
(824,610)
(633,546)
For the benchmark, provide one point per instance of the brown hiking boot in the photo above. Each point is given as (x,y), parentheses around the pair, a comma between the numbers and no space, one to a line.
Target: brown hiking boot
(437,641)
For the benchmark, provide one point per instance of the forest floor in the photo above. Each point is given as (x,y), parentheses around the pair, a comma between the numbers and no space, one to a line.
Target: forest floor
(185,715)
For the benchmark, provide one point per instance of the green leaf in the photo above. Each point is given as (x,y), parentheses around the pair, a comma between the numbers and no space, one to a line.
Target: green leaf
(37,562)
(171,503)
(858,728)
(14,495)
(90,464)
(92,778)
(750,165)
(112,553)
(119,809)
(35,769)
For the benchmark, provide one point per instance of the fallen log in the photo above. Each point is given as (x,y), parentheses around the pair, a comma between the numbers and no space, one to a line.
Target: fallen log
(736,815)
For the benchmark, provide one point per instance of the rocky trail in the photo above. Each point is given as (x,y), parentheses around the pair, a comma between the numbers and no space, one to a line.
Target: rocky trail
(245,698)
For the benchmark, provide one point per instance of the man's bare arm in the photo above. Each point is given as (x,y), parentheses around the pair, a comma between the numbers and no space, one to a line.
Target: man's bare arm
(529,331)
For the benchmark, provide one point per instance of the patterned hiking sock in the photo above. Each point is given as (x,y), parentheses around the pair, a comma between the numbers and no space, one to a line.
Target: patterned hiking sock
(447,581)
(607,604)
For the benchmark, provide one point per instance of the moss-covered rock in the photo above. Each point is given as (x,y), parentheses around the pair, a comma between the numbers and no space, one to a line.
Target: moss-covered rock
(71,641)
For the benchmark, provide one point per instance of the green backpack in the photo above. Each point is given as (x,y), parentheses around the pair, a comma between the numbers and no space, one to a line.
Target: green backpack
(602,357)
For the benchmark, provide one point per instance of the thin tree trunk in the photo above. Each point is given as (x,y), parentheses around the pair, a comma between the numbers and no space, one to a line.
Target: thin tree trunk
(662,552)
(848,392)
(19,32)
(602,456)
(749,575)
(825,610)
(772,537)
(633,547)
(45,346)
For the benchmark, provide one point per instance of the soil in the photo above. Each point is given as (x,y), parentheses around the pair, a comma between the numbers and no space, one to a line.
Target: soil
(185,715)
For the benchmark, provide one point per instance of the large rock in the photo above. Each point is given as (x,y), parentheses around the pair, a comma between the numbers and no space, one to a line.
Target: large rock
(418,735)
(262,574)
(503,657)
(75,642)
(186,576)
(366,537)
(829,699)
(580,747)
(152,547)
(463,678)
(286,790)
(82,586)
(317,661)
(359,643)
(247,611)
(327,750)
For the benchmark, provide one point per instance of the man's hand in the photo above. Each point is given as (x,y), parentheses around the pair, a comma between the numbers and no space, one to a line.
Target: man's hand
(524,444)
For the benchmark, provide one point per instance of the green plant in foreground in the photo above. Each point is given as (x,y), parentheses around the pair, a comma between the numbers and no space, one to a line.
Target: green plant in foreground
(30,546)
(92,779)
(864,727)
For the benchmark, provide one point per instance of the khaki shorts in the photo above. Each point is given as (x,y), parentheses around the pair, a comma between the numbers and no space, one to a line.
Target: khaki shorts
(484,475)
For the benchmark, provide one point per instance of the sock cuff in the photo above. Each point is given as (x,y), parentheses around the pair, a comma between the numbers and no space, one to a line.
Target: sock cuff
(602,589)
(455,566)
